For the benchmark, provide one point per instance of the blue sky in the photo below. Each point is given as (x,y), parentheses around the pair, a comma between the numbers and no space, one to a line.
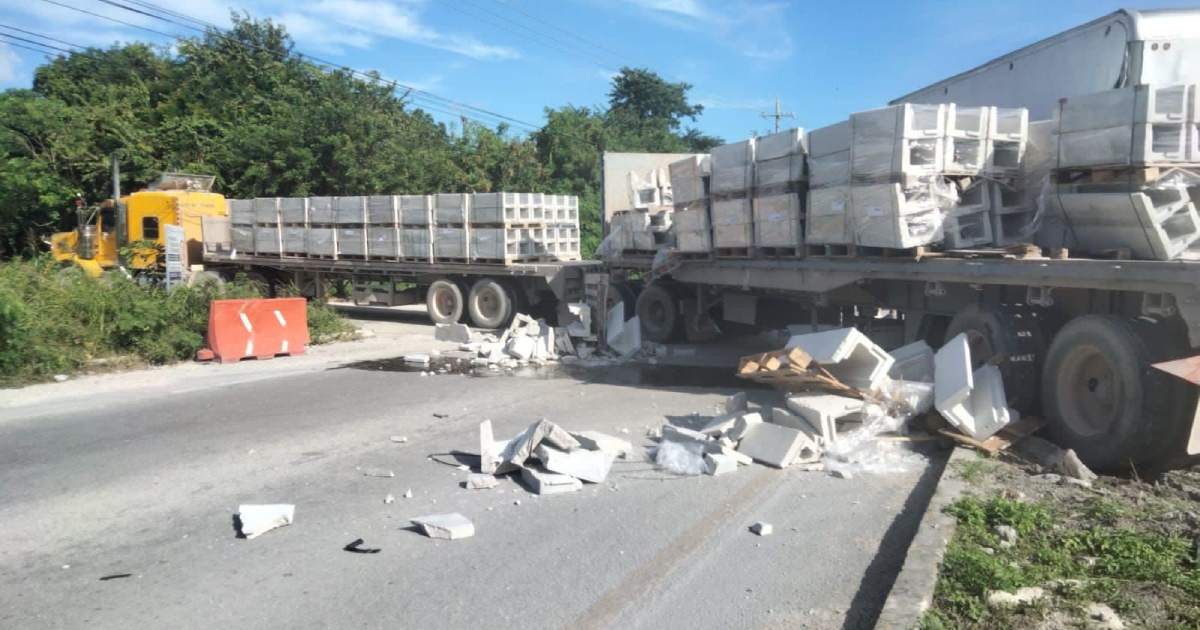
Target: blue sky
(515,57)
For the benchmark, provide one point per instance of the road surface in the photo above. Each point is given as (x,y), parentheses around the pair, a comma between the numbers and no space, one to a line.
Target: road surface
(141,473)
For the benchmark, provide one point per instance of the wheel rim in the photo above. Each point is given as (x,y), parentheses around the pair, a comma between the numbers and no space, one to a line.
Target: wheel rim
(488,303)
(443,302)
(1089,392)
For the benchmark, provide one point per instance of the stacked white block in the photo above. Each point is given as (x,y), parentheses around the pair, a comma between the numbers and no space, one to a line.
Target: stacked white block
(267,238)
(693,231)
(779,220)
(241,225)
(630,231)
(779,187)
(885,215)
(827,216)
(689,179)
(829,156)
(1155,224)
(732,223)
(350,217)
(383,238)
(1008,133)
(414,227)
(732,168)
(1135,125)
(966,139)
(897,143)
(827,205)
(779,160)
(561,218)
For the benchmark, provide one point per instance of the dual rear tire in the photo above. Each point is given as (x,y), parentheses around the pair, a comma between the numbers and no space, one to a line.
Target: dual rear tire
(487,302)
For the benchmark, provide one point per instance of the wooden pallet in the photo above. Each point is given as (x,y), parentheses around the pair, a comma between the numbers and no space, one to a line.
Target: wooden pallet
(732,252)
(695,255)
(779,252)
(829,251)
(791,370)
(1021,251)
(1005,438)
(912,253)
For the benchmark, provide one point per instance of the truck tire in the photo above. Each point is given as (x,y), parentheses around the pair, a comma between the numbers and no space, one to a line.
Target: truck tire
(491,304)
(1010,331)
(658,311)
(444,300)
(1101,397)
(621,292)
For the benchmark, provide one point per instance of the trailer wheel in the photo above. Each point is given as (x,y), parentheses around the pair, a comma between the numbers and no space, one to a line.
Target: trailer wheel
(1101,397)
(490,303)
(1011,332)
(444,300)
(658,311)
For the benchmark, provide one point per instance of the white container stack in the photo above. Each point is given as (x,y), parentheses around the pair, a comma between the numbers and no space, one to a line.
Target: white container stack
(731,188)
(780,177)
(690,182)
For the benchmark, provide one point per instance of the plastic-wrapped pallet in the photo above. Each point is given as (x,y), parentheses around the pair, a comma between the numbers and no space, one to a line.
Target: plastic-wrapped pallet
(266,210)
(732,168)
(777,221)
(488,244)
(242,238)
(827,216)
(1008,133)
(1157,222)
(451,209)
(1141,124)
(266,239)
(897,142)
(293,210)
(687,179)
(241,211)
(449,242)
(382,209)
(829,156)
(320,210)
(966,139)
(351,241)
(779,159)
(415,243)
(294,239)
(884,215)
(320,241)
(415,209)
(381,241)
(732,224)
(349,210)
(693,232)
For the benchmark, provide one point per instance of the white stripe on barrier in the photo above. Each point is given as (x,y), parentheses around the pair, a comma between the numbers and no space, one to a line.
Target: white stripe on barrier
(283,349)
(279,316)
(246,322)
(249,348)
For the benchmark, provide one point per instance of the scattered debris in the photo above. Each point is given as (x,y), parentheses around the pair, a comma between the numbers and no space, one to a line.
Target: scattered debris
(408,494)
(481,481)
(971,401)
(583,464)
(115,576)
(417,359)
(1071,466)
(458,333)
(389,499)
(378,472)
(777,445)
(597,441)
(719,464)
(257,520)
(1102,617)
(1024,596)
(762,529)
(59,378)
(446,526)
(356,547)
(1007,534)
(542,482)
(399,439)
(680,457)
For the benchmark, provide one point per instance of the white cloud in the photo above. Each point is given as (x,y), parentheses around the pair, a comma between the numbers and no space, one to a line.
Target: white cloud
(9,63)
(754,28)
(393,21)
(720,102)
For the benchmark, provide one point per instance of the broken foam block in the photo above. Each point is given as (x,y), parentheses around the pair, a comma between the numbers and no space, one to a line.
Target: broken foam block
(459,333)
(522,446)
(777,445)
(743,424)
(822,411)
(597,441)
(848,355)
(257,520)
(718,464)
(914,362)
(542,482)
(590,466)
(972,401)
(481,481)
(446,526)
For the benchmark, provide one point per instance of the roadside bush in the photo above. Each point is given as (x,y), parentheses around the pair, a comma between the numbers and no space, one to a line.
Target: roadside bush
(56,320)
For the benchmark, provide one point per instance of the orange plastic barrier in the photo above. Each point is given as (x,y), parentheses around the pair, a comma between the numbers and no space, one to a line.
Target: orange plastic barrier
(262,328)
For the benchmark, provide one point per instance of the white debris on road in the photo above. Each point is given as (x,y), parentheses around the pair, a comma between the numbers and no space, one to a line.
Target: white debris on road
(257,520)
(446,526)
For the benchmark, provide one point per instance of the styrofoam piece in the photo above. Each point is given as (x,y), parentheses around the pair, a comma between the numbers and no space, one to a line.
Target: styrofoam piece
(883,215)
(257,520)
(965,156)
(451,208)
(777,221)
(885,159)
(975,198)
(733,223)
(1137,104)
(293,210)
(267,239)
(350,209)
(913,362)
(719,464)
(1004,157)
(1153,224)
(241,211)
(732,167)
(961,231)
(450,242)
(827,219)
(687,178)
(445,526)
(848,354)
(972,401)
(266,210)
(829,170)
(777,445)
(780,171)
(320,210)
(319,241)
(967,122)
(906,120)
(293,239)
(383,209)
(1008,123)
(1007,200)
(1124,145)
(780,144)
(351,242)
(583,464)
(823,411)
(829,140)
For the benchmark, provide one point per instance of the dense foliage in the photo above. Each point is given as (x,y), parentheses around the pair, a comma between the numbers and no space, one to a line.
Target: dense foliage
(245,107)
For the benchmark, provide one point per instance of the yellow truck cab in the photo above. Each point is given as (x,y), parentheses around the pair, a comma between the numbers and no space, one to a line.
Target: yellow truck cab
(137,225)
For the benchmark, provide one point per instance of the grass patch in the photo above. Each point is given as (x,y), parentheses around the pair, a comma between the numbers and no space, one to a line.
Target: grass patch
(1148,575)
(974,471)
(56,320)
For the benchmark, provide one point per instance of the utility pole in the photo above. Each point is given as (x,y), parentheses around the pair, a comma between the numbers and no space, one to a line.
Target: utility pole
(777,115)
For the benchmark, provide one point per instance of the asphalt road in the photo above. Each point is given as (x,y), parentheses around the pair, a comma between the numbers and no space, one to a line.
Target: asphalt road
(140,474)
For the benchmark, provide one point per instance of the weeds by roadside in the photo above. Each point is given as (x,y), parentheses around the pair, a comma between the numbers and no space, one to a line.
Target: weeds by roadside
(56,320)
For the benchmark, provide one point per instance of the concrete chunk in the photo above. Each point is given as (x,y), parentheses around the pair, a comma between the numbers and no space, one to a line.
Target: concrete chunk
(257,520)
(788,419)
(718,464)
(822,411)
(591,466)
(762,529)
(848,355)
(481,482)
(597,441)
(683,434)
(458,333)
(736,403)
(446,526)
(542,482)
(720,424)
(522,447)
(972,401)
(777,445)
(743,424)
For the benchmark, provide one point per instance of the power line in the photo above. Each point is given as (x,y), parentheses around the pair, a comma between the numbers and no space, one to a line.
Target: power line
(46,37)
(589,42)
(424,94)
(111,19)
(47,53)
(777,115)
(36,43)
(536,36)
